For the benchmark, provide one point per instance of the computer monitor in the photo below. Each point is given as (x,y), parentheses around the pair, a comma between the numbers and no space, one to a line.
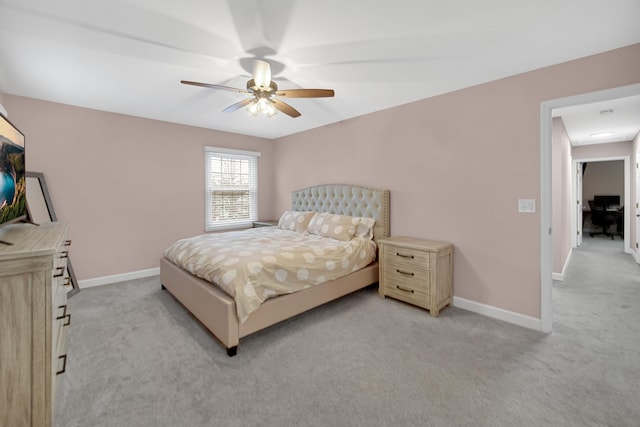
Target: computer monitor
(607,200)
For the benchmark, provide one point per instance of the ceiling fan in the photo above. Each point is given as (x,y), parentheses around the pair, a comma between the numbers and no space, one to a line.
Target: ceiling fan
(264,93)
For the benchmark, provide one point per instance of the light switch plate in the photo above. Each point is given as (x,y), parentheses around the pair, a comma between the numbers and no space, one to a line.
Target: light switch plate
(527,205)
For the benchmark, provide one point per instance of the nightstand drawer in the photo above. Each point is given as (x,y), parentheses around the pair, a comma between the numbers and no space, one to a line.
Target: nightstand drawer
(406,285)
(404,293)
(405,256)
(407,271)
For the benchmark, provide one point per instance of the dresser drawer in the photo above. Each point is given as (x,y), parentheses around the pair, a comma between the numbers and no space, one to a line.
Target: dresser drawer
(59,356)
(60,275)
(61,348)
(61,317)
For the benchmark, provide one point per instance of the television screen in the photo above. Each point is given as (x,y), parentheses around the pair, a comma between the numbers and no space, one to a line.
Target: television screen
(13,195)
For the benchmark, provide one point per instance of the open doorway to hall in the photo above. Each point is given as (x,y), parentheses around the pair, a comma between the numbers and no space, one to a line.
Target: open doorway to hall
(602,199)
(558,207)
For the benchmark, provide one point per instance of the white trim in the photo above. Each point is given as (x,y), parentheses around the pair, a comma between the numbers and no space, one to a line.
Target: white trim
(497,313)
(546,252)
(108,280)
(575,197)
(560,276)
(207,148)
(546,312)
(3,111)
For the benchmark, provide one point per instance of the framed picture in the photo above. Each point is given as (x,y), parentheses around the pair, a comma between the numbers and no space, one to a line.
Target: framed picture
(40,210)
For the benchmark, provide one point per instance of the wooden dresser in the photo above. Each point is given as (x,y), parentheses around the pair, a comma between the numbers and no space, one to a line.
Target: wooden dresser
(419,272)
(33,321)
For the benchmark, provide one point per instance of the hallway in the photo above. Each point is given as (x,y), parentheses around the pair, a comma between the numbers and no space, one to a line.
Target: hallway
(597,310)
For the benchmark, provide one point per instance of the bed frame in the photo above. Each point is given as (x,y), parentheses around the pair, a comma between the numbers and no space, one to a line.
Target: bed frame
(217,311)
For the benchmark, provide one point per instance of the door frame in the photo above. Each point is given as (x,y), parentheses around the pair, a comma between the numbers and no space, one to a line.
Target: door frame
(577,219)
(636,211)
(546,253)
(626,197)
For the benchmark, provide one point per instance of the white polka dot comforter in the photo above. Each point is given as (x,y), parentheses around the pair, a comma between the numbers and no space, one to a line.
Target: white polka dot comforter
(255,264)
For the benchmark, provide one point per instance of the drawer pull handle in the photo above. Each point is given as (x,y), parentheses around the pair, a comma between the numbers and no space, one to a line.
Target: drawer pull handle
(64,312)
(404,256)
(67,281)
(404,290)
(60,272)
(64,364)
(404,272)
(68,322)
(64,254)
(67,242)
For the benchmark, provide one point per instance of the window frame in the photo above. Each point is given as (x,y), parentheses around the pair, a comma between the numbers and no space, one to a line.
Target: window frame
(227,153)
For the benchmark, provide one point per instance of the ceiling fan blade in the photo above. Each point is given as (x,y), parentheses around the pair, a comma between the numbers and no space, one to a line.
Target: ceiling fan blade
(238,105)
(306,93)
(210,86)
(261,73)
(285,108)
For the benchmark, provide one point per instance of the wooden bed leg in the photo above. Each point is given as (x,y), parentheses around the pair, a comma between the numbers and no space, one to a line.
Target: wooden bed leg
(232,351)
(162,286)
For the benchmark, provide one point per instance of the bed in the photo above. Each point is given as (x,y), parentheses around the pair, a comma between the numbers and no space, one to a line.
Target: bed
(217,310)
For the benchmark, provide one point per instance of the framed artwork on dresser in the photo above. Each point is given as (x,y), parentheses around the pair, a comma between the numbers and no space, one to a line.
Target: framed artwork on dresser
(40,210)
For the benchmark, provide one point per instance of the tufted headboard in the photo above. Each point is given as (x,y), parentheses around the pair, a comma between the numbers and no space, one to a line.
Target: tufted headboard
(346,199)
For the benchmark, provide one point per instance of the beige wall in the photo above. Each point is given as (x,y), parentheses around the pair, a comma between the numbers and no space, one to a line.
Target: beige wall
(127,186)
(456,165)
(604,178)
(561,195)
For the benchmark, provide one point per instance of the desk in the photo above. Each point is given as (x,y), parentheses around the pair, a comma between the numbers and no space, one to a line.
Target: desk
(616,215)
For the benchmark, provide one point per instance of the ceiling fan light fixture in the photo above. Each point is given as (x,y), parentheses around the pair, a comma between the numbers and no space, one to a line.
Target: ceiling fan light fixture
(253,108)
(261,73)
(264,93)
(262,106)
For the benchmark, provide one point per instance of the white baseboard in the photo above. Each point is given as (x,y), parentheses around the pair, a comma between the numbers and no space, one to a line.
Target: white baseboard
(465,304)
(498,313)
(560,276)
(108,280)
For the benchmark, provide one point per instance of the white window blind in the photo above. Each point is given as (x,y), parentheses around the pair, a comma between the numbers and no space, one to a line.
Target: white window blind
(231,188)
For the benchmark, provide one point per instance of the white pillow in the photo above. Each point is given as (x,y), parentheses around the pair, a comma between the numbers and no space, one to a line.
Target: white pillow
(295,221)
(365,227)
(341,227)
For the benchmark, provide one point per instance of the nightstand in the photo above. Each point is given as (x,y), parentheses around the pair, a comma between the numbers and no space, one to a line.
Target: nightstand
(416,271)
(257,224)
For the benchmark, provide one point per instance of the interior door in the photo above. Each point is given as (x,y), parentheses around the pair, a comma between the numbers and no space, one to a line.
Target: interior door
(637,209)
(578,204)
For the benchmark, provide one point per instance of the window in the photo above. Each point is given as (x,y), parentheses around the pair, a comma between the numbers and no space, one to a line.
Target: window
(231,188)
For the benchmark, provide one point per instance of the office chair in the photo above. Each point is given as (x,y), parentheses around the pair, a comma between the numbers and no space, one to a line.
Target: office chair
(601,218)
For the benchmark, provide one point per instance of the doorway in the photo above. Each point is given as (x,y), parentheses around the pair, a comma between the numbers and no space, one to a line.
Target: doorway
(546,107)
(580,165)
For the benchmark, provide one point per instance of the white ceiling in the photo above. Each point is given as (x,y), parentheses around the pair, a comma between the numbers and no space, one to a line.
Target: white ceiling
(602,122)
(128,56)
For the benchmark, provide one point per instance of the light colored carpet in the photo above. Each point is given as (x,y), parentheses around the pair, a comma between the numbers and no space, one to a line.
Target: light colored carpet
(137,358)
